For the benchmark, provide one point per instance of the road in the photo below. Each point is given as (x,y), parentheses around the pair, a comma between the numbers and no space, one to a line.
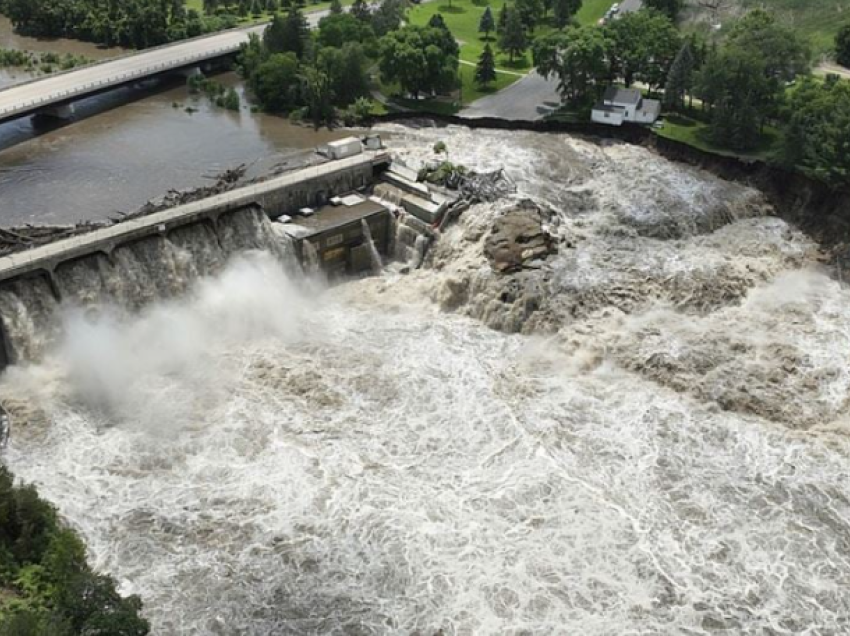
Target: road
(830,67)
(520,100)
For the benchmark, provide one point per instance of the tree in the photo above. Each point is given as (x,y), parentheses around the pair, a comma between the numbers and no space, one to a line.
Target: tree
(338,29)
(564,10)
(275,82)
(318,92)
(420,59)
(817,129)
(513,40)
(388,16)
(287,34)
(784,53)
(842,46)
(530,13)
(670,8)
(734,84)
(503,19)
(360,10)
(346,67)
(485,70)
(487,24)
(680,78)
(437,21)
(643,47)
(577,58)
(336,7)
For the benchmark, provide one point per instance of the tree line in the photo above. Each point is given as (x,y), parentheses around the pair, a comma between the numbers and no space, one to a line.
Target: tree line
(130,23)
(47,587)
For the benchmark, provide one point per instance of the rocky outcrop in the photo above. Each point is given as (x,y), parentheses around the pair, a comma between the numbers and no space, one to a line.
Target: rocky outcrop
(510,292)
(518,239)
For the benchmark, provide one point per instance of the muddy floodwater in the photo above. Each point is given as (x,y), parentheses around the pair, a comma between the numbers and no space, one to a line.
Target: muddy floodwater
(130,145)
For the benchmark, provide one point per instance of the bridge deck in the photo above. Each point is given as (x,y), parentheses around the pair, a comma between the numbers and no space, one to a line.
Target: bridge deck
(27,261)
(26,98)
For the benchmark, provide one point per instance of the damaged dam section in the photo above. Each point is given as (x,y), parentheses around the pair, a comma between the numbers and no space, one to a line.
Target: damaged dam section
(589,390)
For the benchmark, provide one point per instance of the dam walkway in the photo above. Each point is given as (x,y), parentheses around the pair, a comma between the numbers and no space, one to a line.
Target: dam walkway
(277,195)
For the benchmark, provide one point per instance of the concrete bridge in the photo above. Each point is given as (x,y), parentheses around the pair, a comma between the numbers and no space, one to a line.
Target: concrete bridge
(287,193)
(55,94)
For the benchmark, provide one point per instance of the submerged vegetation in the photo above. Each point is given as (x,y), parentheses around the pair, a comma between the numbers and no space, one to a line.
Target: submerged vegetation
(46,586)
(34,62)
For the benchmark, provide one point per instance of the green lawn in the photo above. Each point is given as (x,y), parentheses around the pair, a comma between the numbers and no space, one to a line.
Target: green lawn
(462,18)
(592,10)
(695,133)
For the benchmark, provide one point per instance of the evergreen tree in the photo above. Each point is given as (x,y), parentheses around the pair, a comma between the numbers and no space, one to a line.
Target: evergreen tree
(564,10)
(680,77)
(256,8)
(485,70)
(513,40)
(503,19)
(487,24)
(287,34)
(336,7)
(842,46)
(438,22)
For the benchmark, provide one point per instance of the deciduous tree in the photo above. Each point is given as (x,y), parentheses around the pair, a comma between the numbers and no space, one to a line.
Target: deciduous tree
(577,58)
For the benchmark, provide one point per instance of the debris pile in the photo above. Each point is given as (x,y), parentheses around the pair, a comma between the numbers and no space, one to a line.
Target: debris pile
(24,237)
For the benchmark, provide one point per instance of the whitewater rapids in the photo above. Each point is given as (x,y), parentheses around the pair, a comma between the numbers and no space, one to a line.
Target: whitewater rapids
(668,456)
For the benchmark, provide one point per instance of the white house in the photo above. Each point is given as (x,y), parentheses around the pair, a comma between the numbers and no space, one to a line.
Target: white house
(625,104)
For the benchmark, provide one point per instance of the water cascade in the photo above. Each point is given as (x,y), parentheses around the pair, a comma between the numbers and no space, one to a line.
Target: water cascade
(132,277)
(374,255)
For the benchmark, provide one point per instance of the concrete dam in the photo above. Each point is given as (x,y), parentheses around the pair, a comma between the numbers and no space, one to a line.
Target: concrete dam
(160,255)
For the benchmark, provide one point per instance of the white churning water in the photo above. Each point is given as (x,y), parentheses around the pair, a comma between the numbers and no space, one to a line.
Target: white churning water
(258,459)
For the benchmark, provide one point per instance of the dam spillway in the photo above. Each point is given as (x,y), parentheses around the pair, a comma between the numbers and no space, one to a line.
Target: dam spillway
(158,256)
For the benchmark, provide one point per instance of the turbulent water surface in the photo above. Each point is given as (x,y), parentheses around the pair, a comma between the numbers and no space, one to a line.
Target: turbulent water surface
(668,456)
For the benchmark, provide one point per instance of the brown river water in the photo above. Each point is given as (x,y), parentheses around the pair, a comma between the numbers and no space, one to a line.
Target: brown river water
(130,145)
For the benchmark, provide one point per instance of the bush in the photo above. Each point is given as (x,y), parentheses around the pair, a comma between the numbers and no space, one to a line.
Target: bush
(48,588)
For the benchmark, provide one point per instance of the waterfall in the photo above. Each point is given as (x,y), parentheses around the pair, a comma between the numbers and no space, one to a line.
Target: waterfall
(132,276)
(377,264)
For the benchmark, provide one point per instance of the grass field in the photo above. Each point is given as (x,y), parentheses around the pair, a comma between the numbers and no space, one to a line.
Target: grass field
(695,133)
(592,10)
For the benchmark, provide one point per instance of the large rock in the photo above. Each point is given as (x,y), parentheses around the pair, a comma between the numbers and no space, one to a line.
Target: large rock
(518,239)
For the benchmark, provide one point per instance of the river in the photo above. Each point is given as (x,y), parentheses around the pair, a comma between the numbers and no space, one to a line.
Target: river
(265,457)
(132,145)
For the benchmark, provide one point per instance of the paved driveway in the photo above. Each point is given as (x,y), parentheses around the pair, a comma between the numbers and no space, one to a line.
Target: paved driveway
(520,100)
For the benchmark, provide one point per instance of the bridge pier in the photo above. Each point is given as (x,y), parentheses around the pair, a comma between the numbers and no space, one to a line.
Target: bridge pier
(64,112)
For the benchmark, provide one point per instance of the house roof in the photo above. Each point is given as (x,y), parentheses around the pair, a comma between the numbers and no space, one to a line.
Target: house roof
(607,108)
(624,96)
(651,107)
